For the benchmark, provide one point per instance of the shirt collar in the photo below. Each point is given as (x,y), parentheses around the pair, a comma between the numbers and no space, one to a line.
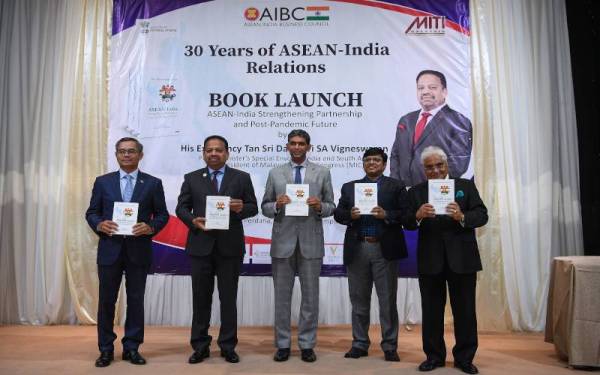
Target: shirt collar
(222,169)
(303,164)
(133,174)
(367,179)
(433,112)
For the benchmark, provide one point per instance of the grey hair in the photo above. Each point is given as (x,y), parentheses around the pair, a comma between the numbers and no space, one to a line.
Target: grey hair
(431,151)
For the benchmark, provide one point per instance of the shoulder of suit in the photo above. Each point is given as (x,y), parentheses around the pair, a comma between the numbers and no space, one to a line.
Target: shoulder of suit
(316,166)
(411,114)
(198,172)
(392,180)
(235,171)
(422,185)
(108,176)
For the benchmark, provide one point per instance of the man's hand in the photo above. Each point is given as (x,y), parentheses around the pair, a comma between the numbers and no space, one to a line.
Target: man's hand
(378,213)
(426,210)
(314,203)
(236,205)
(453,210)
(140,229)
(199,223)
(108,227)
(355,213)
(282,200)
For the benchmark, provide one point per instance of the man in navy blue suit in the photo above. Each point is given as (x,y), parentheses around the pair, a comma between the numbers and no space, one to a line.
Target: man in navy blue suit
(435,124)
(129,254)
(372,246)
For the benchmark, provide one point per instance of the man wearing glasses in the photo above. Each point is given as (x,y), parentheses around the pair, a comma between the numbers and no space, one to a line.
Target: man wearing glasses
(130,254)
(373,243)
(447,254)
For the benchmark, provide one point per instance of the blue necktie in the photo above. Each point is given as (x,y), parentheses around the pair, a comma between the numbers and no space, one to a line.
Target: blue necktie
(215,182)
(298,176)
(128,191)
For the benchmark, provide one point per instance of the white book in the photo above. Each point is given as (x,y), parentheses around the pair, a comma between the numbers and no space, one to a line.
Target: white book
(217,212)
(441,193)
(298,194)
(365,197)
(125,214)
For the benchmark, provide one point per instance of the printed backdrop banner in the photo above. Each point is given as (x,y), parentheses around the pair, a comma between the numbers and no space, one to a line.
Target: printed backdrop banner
(251,71)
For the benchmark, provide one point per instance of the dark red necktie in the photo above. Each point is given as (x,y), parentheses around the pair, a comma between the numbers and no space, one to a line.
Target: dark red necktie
(215,182)
(420,126)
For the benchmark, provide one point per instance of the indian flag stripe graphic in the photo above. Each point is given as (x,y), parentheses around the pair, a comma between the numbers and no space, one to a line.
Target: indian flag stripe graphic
(317,13)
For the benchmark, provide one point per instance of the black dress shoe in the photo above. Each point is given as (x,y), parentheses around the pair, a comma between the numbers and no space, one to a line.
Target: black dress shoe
(391,356)
(308,355)
(430,364)
(105,359)
(230,356)
(282,355)
(134,357)
(466,367)
(198,357)
(356,353)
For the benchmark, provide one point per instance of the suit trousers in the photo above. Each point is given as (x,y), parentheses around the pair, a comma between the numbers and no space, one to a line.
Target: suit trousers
(284,274)
(227,271)
(461,288)
(369,267)
(135,285)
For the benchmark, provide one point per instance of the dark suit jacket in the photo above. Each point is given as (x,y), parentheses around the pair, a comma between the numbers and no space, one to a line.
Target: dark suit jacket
(443,236)
(149,193)
(448,130)
(392,197)
(192,203)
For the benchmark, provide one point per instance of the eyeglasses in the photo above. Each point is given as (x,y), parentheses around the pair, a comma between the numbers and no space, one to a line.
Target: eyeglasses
(433,167)
(123,151)
(372,160)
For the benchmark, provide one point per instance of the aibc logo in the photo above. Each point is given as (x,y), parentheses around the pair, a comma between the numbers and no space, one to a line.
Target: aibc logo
(309,13)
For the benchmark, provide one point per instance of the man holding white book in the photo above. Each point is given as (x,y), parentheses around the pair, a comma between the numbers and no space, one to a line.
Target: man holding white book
(447,254)
(298,195)
(212,204)
(373,208)
(126,209)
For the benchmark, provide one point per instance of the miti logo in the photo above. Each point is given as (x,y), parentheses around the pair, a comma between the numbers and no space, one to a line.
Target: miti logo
(309,13)
(427,25)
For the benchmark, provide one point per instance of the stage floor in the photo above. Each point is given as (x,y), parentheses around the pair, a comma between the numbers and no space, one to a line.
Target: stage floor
(72,350)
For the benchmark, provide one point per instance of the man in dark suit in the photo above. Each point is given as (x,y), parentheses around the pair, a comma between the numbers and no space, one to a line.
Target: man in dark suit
(215,252)
(434,124)
(129,254)
(447,253)
(372,246)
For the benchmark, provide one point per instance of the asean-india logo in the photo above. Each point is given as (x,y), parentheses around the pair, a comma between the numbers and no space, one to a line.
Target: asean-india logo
(251,14)
(299,193)
(368,192)
(444,189)
(167,93)
(128,212)
(220,205)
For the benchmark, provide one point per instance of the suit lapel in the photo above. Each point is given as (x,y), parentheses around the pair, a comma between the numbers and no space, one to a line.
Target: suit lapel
(115,185)
(225,182)
(205,180)
(139,187)
(310,173)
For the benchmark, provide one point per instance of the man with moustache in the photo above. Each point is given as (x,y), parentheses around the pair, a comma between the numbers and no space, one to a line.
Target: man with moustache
(125,254)
(434,124)
(215,252)
(447,254)
(373,243)
(297,244)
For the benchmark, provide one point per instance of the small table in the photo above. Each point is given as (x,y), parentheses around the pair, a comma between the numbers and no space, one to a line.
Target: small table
(573,315)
